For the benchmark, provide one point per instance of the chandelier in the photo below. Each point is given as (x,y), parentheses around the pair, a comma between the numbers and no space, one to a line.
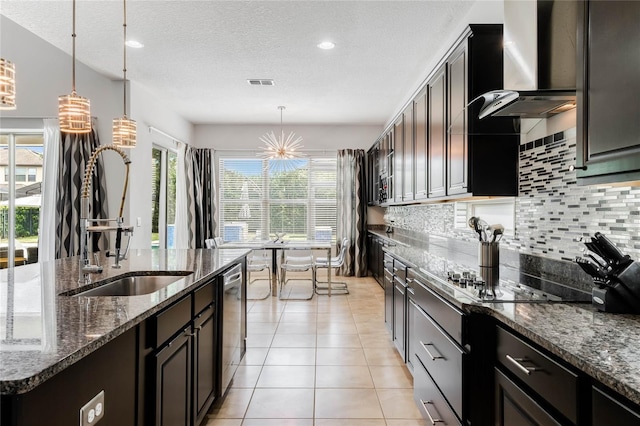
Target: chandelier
(280,150)
(124,129)
(74,112)
(7,84)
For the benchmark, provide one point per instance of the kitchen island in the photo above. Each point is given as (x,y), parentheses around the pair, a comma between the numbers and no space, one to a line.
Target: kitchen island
(49,330)
(600,349)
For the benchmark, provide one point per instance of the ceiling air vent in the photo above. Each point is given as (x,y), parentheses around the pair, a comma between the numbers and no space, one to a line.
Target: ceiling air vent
(261,82)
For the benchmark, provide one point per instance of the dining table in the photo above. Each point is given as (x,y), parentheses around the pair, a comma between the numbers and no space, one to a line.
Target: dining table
(277,248)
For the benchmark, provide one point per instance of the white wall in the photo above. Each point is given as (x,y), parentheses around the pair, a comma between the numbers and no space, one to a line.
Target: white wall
(43,72)
(315,137)
(482,12)
(148,110)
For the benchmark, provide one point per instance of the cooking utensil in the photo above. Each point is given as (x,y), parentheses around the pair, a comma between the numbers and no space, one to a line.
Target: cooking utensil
(496,231)
(610,252)
(591,268)
(483,225)
(473,224)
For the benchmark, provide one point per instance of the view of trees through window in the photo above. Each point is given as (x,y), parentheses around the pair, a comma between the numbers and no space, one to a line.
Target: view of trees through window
(163,197)
(26,166)
(258,200)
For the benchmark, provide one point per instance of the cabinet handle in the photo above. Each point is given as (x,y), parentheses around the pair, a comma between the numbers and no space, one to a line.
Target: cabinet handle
(186,333)
(431,419)
(524,369)
(433,358)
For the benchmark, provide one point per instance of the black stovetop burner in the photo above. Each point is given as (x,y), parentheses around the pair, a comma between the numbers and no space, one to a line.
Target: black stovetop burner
(536,290)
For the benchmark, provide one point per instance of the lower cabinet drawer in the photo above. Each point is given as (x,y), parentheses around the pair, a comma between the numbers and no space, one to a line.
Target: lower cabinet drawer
(432,405)
(446,315)
(557,385)
(442,357)
(171,320)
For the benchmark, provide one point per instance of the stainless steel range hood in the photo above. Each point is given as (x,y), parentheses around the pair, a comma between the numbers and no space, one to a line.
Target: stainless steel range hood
(539,60)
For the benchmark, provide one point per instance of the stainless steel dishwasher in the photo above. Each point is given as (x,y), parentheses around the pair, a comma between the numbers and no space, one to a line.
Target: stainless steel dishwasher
(232,334)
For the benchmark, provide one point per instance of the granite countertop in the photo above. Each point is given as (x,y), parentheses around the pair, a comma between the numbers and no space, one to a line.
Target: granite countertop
(43,331)
(603,345)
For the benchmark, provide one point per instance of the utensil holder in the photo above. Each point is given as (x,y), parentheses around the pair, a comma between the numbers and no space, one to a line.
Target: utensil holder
(489,264)
(488,254)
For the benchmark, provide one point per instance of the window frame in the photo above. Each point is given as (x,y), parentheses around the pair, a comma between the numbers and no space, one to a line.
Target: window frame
(266,202)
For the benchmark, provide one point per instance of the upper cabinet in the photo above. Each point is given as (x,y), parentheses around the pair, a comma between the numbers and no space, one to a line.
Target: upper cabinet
(442,150)
(437,133)
(408,154)
(420,106)
(398,155)
(608,92)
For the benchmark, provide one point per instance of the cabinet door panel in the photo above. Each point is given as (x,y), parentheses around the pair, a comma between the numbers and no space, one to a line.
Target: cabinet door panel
(457,155)
(437,134)
(399,318)
(398,155)
(407,181)
(420,155)
(204,364)
(607,410)
(173,382)
(608,109)
(515,408)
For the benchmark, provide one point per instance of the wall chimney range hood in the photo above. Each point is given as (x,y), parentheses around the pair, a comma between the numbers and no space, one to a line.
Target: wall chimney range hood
(539,60)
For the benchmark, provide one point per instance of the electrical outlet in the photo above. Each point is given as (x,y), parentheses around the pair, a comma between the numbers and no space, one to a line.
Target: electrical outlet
(93,411)
(139,221)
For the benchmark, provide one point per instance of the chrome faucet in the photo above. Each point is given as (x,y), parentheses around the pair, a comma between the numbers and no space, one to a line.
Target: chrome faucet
(88,225)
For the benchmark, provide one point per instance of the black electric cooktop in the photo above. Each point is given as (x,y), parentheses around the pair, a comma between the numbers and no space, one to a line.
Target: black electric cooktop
(498,286)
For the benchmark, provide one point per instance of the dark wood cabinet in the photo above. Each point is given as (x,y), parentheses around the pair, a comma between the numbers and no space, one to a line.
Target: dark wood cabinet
(398,160)
(204,362)
(388,293)
(442,149)
(609,410)
(434,348)
(408,154)
(420,145)
(57,401)
(399,317)
(375,258)
(173,366)
(457,153)
(513,407)
(437,134)
(608,88)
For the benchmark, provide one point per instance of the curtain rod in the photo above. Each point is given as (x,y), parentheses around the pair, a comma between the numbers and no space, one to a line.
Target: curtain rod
(151,128)
(258,149)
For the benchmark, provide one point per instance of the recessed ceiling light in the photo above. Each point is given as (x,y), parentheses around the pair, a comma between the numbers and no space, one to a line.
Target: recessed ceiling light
(134,44)
(326,45)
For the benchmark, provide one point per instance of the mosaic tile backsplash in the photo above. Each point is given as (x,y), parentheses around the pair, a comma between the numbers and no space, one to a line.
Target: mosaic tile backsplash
(551,212)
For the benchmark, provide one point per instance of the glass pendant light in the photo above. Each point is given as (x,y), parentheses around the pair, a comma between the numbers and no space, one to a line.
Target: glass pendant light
(124,129)
(7,84)
(74,112)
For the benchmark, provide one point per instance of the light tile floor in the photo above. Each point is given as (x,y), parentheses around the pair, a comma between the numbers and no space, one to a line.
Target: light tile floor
(328,361)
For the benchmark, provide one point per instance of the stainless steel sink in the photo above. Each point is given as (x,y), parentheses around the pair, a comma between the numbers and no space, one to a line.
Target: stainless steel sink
(134,285)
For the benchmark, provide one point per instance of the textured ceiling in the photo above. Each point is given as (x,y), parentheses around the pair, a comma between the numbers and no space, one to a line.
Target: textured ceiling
(199,54)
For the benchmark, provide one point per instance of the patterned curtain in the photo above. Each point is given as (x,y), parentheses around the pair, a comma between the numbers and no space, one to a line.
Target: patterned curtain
(75,151)
(199,179)
(352,210)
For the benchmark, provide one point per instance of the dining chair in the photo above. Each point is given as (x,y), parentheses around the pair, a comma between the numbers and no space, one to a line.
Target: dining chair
(337,287)
(210,243)
(258,261)
(299,261)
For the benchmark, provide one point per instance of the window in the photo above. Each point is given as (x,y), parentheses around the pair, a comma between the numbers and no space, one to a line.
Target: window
(21,155)
(163,197)
(258,200)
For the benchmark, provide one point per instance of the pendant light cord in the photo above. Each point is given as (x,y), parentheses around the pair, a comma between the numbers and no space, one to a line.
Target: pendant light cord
(73,51)
(124,68)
